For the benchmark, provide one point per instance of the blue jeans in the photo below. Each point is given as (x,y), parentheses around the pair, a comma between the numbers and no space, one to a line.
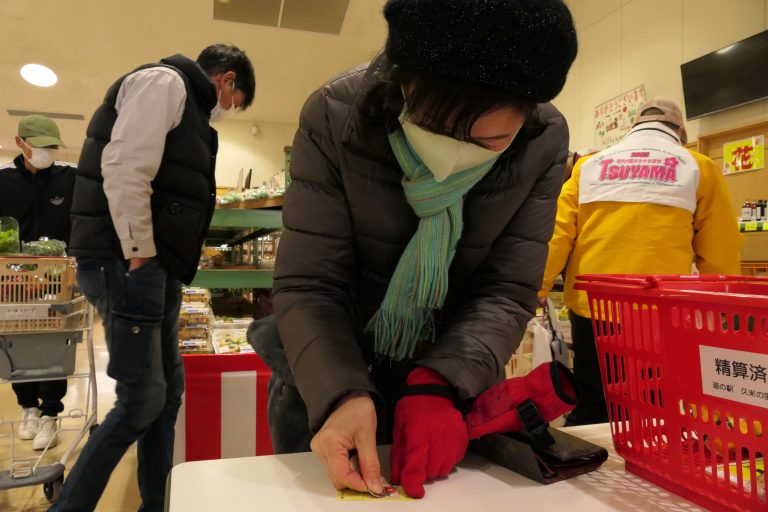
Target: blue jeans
(139,310)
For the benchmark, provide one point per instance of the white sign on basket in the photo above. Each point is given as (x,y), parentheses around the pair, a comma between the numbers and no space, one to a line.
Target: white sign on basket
(24,312)
(735,375)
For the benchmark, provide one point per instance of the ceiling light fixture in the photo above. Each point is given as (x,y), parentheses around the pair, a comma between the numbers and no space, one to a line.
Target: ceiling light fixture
(39,75)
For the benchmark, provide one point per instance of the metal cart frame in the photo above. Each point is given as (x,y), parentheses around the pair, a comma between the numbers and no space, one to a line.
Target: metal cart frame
(52,319)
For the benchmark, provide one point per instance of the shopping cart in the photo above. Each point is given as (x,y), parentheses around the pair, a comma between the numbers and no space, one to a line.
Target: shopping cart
(40,326)
(683,361)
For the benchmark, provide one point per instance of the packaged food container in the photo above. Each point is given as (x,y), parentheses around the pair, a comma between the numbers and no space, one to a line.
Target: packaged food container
(44,247)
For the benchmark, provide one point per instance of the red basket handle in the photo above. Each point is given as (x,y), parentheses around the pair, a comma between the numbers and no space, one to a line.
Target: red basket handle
(655,281)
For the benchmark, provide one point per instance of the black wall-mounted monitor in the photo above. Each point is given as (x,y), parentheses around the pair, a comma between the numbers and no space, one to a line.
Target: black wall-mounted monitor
(729,77)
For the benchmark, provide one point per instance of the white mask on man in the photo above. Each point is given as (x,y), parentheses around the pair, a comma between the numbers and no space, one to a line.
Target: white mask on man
(219,113)
(444,155)
(41,158)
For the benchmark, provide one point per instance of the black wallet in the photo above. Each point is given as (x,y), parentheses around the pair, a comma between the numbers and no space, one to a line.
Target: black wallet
(545,459)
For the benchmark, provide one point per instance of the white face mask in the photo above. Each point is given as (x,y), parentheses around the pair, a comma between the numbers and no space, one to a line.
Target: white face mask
(444,155)
(42,158)
(219,113)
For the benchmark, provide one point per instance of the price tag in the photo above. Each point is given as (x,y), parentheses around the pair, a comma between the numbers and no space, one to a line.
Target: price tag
(750,226)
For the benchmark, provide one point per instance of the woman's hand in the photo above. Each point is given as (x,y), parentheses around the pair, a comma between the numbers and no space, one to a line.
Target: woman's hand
(351,426)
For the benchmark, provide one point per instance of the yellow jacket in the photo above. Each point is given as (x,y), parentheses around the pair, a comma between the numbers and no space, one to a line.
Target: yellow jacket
(624,237)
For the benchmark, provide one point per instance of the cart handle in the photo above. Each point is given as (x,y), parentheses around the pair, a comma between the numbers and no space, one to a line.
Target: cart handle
(655,281)
(37,258)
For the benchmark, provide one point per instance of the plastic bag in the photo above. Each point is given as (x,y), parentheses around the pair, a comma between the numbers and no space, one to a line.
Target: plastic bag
(44,247)
(542,339)
(230,197)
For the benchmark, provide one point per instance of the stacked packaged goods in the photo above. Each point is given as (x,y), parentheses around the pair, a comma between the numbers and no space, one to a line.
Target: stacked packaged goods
(195,322)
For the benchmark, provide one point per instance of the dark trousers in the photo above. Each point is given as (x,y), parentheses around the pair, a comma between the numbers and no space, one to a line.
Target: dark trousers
(586,368)
(45,395)
(140,311)
(287,413)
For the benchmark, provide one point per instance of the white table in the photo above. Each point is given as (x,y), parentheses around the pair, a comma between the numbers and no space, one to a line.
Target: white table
(297,483)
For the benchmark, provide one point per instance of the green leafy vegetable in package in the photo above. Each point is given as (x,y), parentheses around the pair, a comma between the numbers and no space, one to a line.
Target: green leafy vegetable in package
(9,242)
(45,248)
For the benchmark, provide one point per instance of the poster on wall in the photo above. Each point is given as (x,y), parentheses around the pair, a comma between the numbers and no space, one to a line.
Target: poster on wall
(744,155)
(614,118)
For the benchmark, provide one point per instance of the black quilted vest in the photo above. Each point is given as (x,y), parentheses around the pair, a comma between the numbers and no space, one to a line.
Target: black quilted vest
(183,192)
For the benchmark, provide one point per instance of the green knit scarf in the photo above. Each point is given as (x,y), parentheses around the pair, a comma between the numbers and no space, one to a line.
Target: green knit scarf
(420,282)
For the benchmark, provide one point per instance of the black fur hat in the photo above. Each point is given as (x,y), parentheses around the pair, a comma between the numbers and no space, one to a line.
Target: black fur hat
(522,46)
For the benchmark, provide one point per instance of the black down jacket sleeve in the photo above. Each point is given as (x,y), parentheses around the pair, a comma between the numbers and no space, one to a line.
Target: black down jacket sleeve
(314,269)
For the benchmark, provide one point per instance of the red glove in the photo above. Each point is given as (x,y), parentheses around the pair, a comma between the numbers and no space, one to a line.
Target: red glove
(430,435)
(550,386)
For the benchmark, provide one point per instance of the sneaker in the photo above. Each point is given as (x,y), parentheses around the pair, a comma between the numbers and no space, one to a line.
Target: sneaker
(28,426)
(47,433)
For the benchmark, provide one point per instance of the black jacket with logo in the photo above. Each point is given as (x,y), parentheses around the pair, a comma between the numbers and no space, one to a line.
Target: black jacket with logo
(39,201)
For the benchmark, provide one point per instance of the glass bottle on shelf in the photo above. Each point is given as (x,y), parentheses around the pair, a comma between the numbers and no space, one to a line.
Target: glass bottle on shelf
(746,210)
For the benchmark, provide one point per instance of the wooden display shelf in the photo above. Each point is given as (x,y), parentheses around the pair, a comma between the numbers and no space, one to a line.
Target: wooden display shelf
(252,204)
(754,268)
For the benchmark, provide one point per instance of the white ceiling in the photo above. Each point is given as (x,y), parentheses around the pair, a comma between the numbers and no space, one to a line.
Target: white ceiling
(90,43)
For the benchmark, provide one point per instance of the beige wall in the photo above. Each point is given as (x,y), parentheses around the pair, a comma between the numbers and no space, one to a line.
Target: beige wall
(240,149)
(625,43)
(622,44)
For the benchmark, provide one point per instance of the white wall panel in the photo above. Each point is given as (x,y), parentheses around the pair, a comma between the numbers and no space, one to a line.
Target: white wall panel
(625,43)
(709,25)
(587,12)
(652,47)
(240,149)
(598,76)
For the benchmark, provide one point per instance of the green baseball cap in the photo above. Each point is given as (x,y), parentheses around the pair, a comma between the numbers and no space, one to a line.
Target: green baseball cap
(40,131)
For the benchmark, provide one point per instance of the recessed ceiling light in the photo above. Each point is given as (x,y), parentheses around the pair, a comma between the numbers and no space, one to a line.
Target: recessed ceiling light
(39,75)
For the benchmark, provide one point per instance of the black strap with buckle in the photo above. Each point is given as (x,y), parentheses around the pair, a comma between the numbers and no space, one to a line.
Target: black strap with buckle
(434,390)
(534,423)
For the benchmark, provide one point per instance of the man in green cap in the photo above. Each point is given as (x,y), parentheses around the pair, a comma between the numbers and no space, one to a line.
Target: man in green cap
(36,190)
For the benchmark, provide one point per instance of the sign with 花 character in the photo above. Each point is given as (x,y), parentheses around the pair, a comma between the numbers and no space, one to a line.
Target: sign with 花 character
(614,118)
(744,155)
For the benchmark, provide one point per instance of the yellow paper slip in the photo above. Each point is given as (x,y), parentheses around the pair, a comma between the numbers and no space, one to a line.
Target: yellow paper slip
(746,474)
(392,494)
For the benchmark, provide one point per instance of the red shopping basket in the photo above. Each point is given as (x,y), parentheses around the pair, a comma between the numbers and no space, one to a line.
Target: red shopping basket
(683,361)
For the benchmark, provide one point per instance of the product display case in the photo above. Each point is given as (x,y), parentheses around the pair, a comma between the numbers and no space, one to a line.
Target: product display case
(229,388)
(231,228)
